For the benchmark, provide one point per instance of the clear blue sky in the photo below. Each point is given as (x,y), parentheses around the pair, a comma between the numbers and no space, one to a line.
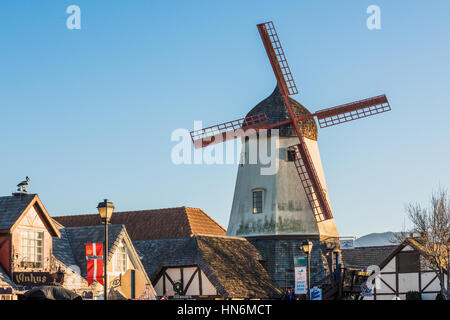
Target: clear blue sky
(88,113)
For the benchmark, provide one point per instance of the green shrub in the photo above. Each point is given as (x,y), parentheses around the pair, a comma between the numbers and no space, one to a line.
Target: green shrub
(439,296)
(413,295)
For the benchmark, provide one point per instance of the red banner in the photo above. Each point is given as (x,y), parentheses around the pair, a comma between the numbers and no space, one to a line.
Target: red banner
(94,261)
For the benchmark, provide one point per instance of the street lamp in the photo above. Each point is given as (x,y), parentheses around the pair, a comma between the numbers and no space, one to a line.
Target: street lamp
(105,209)
(307,247)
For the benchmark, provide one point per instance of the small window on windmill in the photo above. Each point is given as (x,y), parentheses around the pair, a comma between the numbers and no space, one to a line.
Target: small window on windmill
(257,195)
(290,156)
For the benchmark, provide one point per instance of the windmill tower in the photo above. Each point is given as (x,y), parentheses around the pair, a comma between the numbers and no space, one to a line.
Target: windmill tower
(278,212)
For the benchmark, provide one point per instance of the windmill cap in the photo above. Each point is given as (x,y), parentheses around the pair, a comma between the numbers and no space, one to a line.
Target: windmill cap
(273,106)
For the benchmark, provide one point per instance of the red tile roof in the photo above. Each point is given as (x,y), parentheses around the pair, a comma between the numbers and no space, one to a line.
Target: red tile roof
(169,223)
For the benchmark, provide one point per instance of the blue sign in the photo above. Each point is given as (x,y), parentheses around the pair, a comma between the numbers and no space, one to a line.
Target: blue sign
(300,265)
(347,243)
(366,291)
(316,293)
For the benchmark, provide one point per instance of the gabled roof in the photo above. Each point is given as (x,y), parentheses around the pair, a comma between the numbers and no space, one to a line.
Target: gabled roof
(166,223)
(416,244)
(230,263)
(70,249)
(13,209)
(362,257)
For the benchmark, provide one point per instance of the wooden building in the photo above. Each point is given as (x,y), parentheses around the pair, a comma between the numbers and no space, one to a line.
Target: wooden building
(188,256)
(35,250)
(402,269)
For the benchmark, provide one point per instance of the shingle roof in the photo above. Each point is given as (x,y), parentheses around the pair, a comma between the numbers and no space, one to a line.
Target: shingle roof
(70,249)
(273,106)
(11,207)
(5,281)
(230,263)
(167,223)
(362,257)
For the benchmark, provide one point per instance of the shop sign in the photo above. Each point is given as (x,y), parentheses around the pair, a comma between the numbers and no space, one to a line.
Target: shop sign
(36,279)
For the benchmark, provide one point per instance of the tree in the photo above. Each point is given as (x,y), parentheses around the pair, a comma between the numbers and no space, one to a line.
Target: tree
(433,226)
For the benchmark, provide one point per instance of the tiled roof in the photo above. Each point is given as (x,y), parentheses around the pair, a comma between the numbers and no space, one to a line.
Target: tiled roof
(70,249)
(5,281)
(362,257)
(230,263)
(11,207)
(167,223)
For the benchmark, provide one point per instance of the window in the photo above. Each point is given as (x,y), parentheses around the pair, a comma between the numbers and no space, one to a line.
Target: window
(290,156)
(120,262)
(31,245)
(408,262)
(257,201)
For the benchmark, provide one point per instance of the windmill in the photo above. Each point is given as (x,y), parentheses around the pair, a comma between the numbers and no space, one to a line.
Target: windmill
(299,152)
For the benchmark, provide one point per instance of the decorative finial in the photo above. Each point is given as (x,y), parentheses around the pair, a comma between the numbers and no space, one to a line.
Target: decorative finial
(23,185)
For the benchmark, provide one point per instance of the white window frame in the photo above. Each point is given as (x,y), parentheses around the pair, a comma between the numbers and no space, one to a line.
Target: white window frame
(119,251)
(25,248)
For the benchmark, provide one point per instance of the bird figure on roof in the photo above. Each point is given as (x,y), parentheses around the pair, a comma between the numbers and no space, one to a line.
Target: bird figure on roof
(23,185)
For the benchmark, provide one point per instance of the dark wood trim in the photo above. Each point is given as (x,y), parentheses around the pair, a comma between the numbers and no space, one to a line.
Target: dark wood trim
(182,279)
(168,277)
(391,256)
(397,286)
(200,285)
(429,283)
(164,283)
(393,290)
(390,294)
(393,272)
(420,278)
(190,281)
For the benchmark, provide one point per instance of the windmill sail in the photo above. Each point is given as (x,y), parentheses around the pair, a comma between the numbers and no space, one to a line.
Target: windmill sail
(229,130)
(277,58)
(352,111)
(303,162)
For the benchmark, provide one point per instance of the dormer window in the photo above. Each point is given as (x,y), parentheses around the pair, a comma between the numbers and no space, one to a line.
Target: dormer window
(31,248)
(257,197)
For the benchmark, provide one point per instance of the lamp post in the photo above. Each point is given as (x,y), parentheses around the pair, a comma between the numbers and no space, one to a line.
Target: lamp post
(307,247)
(105,209)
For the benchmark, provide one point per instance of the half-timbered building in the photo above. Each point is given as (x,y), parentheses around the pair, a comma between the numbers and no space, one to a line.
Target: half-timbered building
(399,269)
(35,250)
(187,254)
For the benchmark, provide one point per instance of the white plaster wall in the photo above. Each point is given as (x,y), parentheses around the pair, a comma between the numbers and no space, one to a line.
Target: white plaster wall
(208,288)
(390,267)
(408,282)
(193,290)
(286,208)
(390,280)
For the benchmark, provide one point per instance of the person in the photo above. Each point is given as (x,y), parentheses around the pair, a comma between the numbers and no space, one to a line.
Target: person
(291,295)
